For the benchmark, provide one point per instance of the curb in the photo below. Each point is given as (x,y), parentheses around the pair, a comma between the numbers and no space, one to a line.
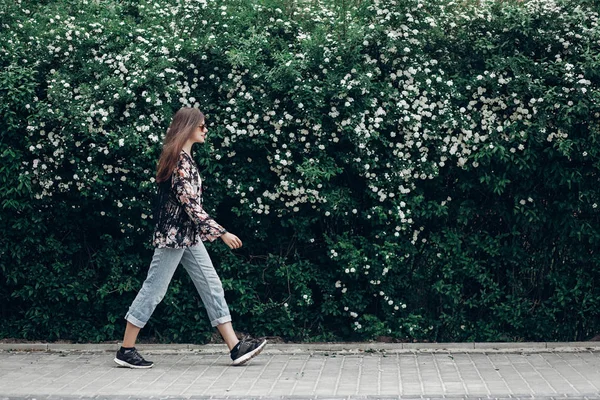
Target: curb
(311,348)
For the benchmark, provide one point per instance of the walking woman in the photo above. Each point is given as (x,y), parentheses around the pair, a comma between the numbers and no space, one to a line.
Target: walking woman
(181,227)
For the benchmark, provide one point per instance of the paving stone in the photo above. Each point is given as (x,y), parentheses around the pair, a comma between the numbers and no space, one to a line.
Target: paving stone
(352,376)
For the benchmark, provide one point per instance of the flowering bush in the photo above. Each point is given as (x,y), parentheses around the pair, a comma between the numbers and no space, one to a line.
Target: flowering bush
(426,171)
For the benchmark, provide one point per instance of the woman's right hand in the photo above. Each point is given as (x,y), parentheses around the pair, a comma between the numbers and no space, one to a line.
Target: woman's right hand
(231,240)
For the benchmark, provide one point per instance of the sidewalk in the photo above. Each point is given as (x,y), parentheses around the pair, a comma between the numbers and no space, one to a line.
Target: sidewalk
(307,371)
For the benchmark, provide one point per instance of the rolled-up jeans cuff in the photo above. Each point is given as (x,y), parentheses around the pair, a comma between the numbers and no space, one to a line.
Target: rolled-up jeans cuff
(220,321)
(134,321)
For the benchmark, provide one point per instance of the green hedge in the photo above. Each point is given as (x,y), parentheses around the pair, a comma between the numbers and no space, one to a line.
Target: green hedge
(423,170)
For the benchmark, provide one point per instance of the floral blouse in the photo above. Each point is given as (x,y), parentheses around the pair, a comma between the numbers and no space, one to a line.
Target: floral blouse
(180,219)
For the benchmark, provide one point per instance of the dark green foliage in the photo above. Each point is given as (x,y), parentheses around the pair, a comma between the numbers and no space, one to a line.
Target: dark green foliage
(427,171)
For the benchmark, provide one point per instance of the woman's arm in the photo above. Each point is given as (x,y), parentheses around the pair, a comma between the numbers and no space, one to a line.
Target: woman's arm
(190,200)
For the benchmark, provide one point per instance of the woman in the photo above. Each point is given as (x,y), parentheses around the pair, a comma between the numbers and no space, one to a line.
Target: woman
(181,227)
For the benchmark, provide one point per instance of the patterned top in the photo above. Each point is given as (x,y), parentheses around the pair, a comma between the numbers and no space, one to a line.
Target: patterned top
(180,219)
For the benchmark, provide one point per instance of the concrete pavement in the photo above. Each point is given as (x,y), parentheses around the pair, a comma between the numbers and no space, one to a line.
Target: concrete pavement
(307,371)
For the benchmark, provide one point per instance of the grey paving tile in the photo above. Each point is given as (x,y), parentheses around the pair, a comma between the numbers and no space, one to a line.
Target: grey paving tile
(354,376)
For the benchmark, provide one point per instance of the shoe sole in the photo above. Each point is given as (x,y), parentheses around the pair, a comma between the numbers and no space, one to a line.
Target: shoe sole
(250,355)
(126,364)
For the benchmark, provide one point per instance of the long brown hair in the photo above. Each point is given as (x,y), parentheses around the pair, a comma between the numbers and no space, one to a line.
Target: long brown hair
(185,121)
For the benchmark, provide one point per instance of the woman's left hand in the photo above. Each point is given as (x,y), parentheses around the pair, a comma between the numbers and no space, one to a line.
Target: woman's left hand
(231,240)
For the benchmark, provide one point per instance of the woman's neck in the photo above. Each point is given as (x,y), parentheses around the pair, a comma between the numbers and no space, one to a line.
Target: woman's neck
(188,148)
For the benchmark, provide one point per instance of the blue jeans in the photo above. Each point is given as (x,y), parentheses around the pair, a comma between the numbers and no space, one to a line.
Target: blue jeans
(197,263)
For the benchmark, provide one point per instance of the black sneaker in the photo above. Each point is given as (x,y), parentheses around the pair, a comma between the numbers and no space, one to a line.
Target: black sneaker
(132,359)
(246,349)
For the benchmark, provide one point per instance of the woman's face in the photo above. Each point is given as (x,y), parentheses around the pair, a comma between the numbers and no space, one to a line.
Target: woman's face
(199,135)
